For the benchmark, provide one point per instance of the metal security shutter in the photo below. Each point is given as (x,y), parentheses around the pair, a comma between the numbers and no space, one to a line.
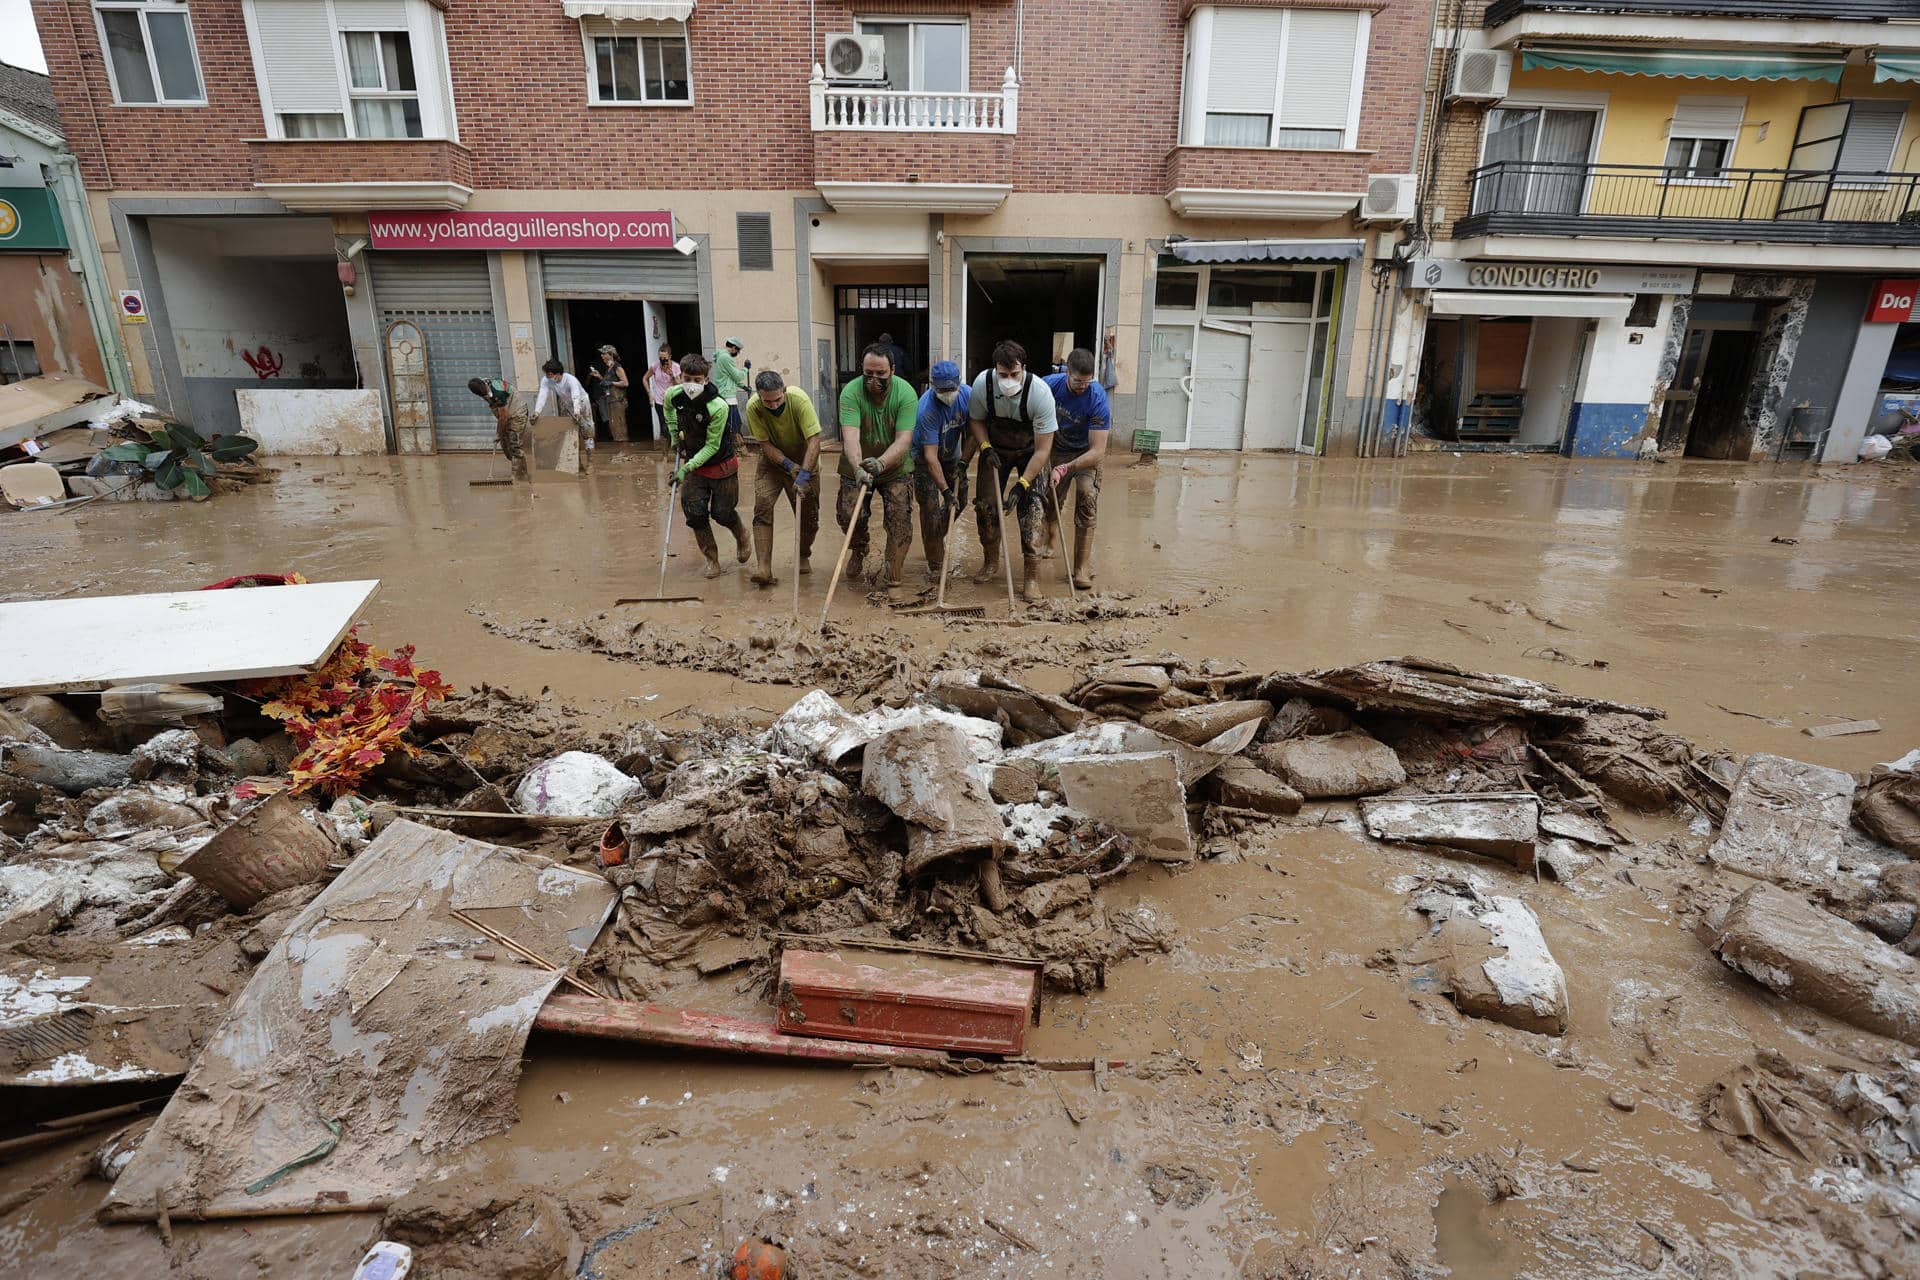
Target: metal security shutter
(655,275)
(1873,129)
(450,296)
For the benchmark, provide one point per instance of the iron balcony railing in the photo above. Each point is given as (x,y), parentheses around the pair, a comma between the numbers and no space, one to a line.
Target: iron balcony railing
(1555,197)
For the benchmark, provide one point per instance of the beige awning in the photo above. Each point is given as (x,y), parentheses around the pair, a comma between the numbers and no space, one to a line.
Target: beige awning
(629,10)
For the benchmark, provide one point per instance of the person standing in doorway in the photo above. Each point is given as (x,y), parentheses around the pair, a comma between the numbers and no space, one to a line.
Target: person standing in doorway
(708,462)
(561,393)
(509,425)
(895,353)
(1013,425)
(876,440)
(610,390)
(782,421)
(662,376)
(945,446)
(1085,417)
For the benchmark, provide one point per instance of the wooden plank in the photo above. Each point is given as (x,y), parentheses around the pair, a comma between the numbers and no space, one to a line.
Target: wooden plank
(1845,728)
(714,1033)
(183,637)
(928,1002)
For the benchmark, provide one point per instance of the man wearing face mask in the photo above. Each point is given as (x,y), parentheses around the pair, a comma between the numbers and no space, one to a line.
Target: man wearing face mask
(1081,407)
(945,446)
(663,377)
(876,441)
(1013,425)
(563,392)
(709,465)
(782,421)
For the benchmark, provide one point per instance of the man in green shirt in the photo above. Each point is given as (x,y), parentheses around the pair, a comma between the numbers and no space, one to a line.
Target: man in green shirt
(876,440)
(782,421)
(730,376)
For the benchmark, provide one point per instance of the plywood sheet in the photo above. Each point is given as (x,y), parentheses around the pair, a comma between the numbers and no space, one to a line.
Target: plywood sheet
(183,637)
(313,421)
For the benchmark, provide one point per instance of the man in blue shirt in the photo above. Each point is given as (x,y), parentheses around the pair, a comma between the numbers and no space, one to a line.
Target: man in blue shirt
(1080,407)
(941,438)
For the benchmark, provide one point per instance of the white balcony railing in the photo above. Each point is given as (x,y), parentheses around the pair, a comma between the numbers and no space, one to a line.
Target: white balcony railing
(839,107)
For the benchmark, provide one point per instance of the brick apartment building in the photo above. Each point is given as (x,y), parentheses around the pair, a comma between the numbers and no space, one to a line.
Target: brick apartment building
(1686,224)
(1207,193)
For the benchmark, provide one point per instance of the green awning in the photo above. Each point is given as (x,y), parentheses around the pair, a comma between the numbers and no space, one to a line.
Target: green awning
(1699,64)
(1895,66)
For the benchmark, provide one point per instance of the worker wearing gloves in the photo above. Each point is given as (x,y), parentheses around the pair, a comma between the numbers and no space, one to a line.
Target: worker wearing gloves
(1085,417)
(945,446)
(1013,425)
(876,441)
(708,463)
(510,426)
(561,394)
(782,421)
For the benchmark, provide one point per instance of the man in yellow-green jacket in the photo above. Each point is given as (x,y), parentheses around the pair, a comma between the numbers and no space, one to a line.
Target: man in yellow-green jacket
(707,461)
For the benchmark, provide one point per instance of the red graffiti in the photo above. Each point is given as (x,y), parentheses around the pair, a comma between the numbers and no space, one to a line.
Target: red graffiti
(265,363)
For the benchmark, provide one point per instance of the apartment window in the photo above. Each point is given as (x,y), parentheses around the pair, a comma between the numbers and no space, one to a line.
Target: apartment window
(924,55)
(1701,137)
(1873,132)
(150,55)
(638,62)
(1285,78)
(381,84)
(351,68)
(1542,154)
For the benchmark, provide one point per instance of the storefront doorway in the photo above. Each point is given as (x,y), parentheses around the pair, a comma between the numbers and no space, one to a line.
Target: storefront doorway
(1706,409)
(864,314)
(1048,304)
(636,330)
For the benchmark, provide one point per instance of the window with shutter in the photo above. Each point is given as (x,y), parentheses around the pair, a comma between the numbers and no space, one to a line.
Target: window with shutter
(150,58)
(1873,131)
(351,68)
(1260,77)
(1701,137)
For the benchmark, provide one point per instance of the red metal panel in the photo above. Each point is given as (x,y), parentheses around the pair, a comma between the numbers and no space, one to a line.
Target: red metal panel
(717,1032)
(930,1002)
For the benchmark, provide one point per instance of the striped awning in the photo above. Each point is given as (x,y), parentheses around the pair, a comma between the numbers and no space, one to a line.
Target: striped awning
(1695,64)
(1266,250)
(1895,66)
(629,10)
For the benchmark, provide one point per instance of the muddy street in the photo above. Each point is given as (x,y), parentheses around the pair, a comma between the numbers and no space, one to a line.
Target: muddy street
(1289,1083)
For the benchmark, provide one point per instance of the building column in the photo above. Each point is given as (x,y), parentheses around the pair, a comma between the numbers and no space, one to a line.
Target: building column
(522,323)
(1854,408)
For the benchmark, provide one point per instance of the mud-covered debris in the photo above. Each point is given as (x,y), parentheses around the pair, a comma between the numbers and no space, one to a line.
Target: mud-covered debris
(1239,783)
(69,772)
(1138,794)
(1335,765)
(1114,737)
(1888,806)
(271,847)
(1631,760)
(1504,825)
(1299,718)
(1027,714)
(1890,921)
(1838,1120)
(923,772)
(1798,951)
(1785,821)
(1422,686)
(1494,959)
(575,784)
(1196,726)
(43,895)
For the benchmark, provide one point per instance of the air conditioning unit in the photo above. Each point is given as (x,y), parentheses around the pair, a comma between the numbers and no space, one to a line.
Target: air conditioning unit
(1389,197)
(1481,75)
(856,57)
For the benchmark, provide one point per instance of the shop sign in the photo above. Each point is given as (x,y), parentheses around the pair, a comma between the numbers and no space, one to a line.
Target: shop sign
(600,229)
(1892,301)
(29,219)
(1546,277)
(133,307)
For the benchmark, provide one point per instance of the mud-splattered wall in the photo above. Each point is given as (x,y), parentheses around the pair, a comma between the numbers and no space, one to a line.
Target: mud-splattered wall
(41,302)
(1784,321)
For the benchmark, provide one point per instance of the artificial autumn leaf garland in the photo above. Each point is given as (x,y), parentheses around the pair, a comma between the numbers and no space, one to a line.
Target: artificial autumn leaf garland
(350,714)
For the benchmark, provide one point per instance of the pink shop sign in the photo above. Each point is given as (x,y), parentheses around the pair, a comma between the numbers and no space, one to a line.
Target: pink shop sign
(431,229)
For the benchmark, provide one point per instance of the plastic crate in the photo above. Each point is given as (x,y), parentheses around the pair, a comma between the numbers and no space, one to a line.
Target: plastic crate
(1147,442)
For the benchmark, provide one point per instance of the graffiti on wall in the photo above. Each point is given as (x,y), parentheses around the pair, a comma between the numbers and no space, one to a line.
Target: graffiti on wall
(265,363)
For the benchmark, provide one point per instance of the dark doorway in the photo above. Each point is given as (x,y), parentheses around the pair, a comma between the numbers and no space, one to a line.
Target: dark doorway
(1720,428)
(863,313)
(589,324)
(1029,299)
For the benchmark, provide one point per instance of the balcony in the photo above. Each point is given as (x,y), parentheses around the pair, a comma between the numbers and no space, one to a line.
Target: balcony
(333,175)
(1265,182)
(1787,206)
(851,109)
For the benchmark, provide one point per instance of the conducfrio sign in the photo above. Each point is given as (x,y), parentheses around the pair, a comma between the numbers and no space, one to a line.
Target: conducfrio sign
(431,229)
(1546,277)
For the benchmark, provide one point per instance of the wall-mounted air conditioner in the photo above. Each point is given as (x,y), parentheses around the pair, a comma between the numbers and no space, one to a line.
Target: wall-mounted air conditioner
(1389,197)
(851,56)
(1481,75)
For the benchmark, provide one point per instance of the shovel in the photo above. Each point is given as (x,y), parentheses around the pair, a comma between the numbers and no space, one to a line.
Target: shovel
(840,565)
(666,541)
(940,604)
(1061,529)
(1006,552)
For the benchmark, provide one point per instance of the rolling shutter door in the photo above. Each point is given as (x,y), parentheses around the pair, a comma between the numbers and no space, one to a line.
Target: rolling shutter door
(450,296)
(653,275)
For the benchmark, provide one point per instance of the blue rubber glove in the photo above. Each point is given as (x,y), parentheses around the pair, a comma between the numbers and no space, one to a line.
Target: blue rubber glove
(801,479)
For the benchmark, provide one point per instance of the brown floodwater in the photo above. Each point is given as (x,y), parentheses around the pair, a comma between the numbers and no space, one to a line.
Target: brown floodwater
(1327,1106)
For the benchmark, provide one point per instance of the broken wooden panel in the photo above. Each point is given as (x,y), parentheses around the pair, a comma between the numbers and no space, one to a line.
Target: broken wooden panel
(639,1023)
(1423,686)
(1137,794)
(1785,821)
(918,1000)
(374,1012)
(991,696)
(1500,824)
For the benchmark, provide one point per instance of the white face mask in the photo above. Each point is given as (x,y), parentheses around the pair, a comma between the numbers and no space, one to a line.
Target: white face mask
(947,397)
(1010,386)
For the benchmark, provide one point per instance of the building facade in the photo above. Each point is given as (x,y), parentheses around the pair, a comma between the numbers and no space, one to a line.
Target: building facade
(1666,226)
(1204,194)
(56,311)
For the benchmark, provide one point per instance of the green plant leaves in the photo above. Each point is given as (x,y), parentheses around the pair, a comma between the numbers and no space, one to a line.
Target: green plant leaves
(196,487)
(170,474)
(232,448)
(127,451)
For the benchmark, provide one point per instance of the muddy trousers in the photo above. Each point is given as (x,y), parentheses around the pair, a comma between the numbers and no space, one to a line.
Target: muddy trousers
(615,407)
(1083,489)
(770,484)
(935,507)
(707,501)
(996,465)
(512,435)
(894,494)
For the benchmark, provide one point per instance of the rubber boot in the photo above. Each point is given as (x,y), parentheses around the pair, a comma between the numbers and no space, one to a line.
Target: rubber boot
(989,558)
(1048,535)
(936,552)
(740,548)
(711,550)
(1030,586)
(763,551)
(1083,559)
(896,564)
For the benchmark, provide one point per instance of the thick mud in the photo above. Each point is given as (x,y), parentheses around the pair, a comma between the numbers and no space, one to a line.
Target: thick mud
(1290,1094)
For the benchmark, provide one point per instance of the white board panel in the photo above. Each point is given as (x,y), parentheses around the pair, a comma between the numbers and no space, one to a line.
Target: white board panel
(313,422)
(185,637)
